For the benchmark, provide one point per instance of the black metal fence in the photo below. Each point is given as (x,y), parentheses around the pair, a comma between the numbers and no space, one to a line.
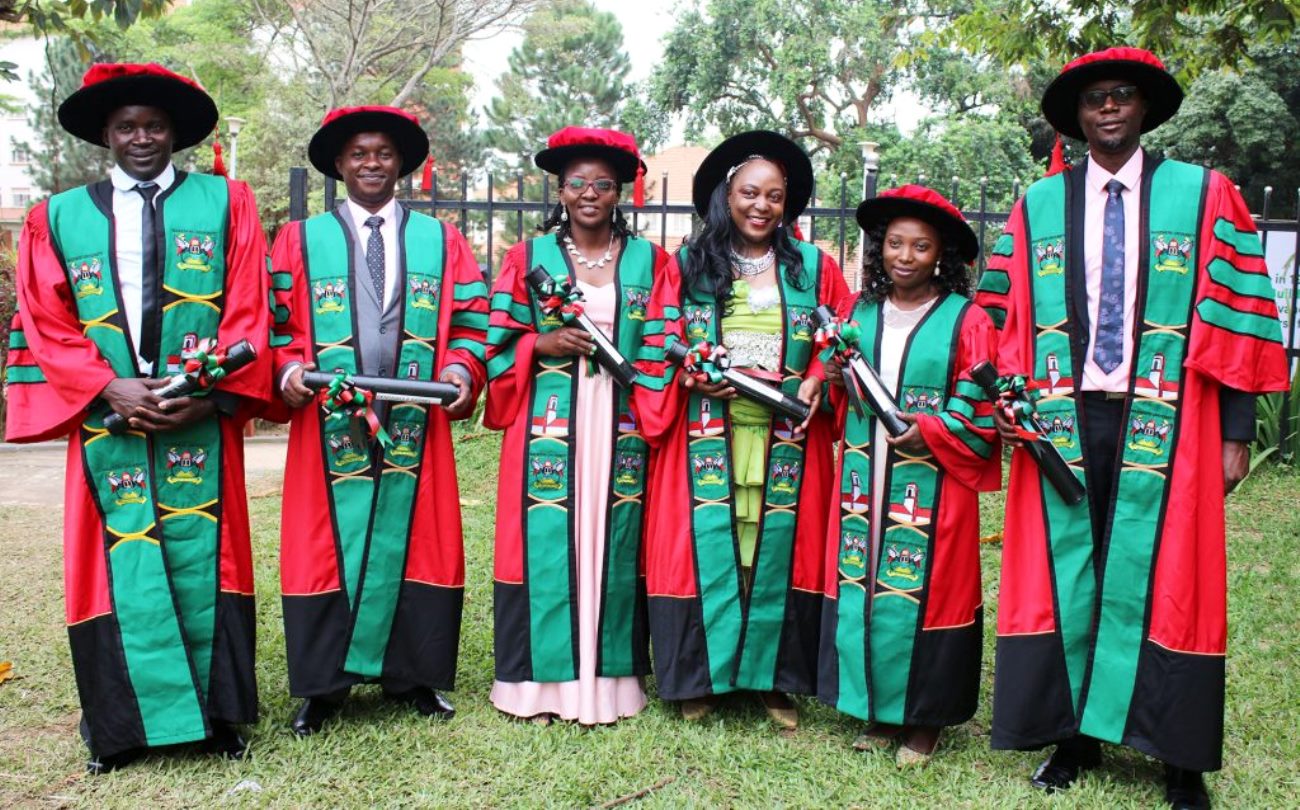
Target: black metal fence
(651,221)
(835,212)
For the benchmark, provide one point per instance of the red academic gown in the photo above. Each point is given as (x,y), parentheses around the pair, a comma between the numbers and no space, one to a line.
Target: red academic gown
(423,640)
(914,660)
(706,637)
(539,618)
(52,384)
(1135,655)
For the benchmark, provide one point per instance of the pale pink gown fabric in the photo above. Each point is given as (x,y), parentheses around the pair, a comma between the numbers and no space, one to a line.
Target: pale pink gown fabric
(590,700)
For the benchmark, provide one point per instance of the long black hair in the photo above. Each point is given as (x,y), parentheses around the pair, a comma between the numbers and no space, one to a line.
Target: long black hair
(709,274)
(951,274)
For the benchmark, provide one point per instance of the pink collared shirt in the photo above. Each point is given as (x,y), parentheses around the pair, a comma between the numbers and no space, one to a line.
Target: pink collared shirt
(1094,211)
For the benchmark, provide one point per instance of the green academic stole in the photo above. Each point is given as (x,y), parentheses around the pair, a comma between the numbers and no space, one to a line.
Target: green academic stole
(743,635)
(159,495)
(550,570)
(874,638)
(372,499)
(1104,655)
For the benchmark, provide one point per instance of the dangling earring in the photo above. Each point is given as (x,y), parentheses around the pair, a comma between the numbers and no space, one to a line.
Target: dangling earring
(564,213)
(613,215)
(937,268)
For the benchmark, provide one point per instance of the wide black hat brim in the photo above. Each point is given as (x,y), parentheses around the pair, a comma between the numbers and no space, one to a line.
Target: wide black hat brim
(955,231)
(192,111)
(734,150)
(1060,103)
(554,159)
(328,142)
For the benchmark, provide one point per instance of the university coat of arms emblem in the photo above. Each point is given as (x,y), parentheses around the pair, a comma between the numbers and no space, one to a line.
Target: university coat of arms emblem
(87,277)
(194,252)
(185,466)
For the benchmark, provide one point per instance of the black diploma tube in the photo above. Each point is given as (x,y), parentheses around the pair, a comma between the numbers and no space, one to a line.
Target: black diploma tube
(607,354)
(868,382)
(184,384)
(752,389)
(389,389)
(1041,450)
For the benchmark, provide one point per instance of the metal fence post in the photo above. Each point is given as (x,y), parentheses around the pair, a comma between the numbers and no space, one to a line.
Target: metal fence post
(491,226)
(297,194)
(464,196)
(984,219)
(844,207)
(519,196)
(1289,338)
(663,211)
(812,218)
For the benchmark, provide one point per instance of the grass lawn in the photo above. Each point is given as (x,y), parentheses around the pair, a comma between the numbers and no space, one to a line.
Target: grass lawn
(382,754)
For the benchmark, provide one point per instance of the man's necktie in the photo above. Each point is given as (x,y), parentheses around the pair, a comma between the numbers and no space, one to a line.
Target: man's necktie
(150,272)
(375,257)
(1108,348)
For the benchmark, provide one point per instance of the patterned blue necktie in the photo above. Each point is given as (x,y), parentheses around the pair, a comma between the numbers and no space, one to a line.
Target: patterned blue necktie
(1108,348)
(375,257)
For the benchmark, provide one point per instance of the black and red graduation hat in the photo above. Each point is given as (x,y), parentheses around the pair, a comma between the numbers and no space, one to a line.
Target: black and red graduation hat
(1161,90)
(110,85)
(619,149)
(339,125)
(927,205)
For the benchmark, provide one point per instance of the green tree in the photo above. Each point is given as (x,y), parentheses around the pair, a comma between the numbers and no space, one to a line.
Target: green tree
(814,70)
(1194,35)
(60,161)
(569,70)
(45,18)
(962,151)
(1245,124)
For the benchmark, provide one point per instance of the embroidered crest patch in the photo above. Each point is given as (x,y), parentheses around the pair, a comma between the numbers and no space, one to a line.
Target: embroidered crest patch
(194,251)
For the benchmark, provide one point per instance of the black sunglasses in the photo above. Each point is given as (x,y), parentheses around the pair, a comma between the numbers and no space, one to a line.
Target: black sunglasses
(1096,99)
(579,185)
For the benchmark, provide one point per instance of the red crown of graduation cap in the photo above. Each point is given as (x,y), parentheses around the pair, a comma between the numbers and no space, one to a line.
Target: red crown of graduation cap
(339,125)
(927,205)
(617,148)
(763,143)
(1162,93)
(108,86)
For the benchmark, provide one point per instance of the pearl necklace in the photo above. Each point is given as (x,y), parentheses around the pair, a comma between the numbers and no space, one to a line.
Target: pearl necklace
(590,264)
(753,267)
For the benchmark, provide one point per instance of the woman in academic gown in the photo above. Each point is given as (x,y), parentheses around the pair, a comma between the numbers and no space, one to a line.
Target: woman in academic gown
(569,595)
(902,617)
(733,540)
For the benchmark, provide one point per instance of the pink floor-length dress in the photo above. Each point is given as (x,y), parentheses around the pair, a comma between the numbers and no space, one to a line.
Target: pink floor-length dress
(589,700)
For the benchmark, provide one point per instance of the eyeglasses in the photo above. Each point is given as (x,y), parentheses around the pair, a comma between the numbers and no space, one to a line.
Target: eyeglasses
(1096,99)
(578,185)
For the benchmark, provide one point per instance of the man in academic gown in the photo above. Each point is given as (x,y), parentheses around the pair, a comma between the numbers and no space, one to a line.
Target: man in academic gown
(1131,291)
(121,283)
(372,565)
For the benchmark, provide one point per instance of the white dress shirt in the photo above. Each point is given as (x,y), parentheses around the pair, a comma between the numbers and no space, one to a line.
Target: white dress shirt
(388,231)
(128,253)
(1094,213)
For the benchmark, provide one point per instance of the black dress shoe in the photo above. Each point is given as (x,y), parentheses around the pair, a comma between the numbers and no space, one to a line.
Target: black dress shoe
(1060,770)
(312,715)
(426,701)
(226,741)
(1185,790)
(106,764)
